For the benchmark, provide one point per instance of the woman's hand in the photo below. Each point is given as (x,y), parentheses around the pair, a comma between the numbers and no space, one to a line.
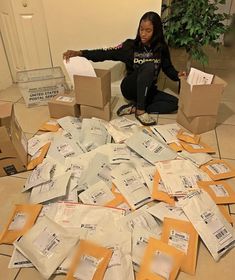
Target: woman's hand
(182,74)
(70,53)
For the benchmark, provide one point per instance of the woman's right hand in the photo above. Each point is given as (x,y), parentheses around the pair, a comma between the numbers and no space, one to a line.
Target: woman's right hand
(70,53)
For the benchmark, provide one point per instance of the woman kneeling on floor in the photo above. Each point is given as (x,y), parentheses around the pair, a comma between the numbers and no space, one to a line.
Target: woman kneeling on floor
(144,57)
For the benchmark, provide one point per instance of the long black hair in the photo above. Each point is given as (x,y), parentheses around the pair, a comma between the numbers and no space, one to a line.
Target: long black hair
(157,40)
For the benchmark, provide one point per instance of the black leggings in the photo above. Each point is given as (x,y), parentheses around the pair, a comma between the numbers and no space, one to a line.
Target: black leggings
(139,87)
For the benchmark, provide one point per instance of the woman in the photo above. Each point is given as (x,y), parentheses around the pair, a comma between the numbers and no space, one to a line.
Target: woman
(144,57)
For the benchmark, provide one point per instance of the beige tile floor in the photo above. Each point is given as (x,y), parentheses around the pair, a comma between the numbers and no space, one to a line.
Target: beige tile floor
(222,138)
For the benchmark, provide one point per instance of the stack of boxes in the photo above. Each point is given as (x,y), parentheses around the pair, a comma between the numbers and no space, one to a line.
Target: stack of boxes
(63,105)
(91,98)
(94,94)
(199,104)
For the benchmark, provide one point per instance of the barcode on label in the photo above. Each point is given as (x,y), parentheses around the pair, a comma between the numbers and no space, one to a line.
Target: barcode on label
(221,234)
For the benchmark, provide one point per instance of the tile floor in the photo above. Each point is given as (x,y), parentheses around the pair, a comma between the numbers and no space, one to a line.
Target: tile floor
(222,138)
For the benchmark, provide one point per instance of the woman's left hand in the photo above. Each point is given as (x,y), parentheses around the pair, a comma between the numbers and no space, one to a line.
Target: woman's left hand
(182,74)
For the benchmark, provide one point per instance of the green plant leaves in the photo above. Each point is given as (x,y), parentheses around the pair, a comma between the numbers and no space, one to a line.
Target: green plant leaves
(194,24)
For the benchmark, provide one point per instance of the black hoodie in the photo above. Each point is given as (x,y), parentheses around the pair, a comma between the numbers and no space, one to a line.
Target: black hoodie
(134,56)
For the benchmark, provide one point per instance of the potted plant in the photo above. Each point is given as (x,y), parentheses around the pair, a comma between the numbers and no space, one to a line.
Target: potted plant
(194,24)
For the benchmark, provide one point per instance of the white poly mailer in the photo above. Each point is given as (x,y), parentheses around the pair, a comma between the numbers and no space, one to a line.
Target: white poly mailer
(98,194)
(166,132)
(57,187)
(215,231)
(46,245)
(120,265)
(180,176)
(93,134)
(71,124)
(131,185)
(62,148)
(150,148)
(40,175)
(163,210)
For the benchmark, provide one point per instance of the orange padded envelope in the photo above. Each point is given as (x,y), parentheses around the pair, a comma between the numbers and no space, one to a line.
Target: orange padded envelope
(176,147)
(38,157)
(220,191)
(197,148)
(188,137)
(182,236)
(160,261)
(90,259)
(21,220)
(160,195)
(50,126)
(218,169)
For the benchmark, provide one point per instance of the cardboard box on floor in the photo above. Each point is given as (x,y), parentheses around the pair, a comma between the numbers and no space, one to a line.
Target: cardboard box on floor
(101,113)
(13,148)
(198,107)
(63,105)
(93,91)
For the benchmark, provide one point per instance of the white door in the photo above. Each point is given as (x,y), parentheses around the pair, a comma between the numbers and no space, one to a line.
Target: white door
(24,34)
(10,38)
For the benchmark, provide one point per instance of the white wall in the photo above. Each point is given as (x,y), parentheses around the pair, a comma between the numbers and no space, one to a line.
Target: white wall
(83,24)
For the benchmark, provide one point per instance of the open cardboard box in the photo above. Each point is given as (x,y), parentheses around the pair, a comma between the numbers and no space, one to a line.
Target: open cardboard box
(198,107)
(13,148)
(93,91)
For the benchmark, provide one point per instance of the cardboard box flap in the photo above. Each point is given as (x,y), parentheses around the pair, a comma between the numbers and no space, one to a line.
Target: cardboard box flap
(202,100)
(218,80)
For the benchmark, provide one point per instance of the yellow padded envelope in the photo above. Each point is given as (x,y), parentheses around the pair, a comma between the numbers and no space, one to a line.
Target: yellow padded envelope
(51,126)
(160,261)
(176,147)
(39,157)
(160,195)
(197,148)
(21,220)
(220,191)
(224,210)
(183,236)
(218,169)
(188,137)
(92,253)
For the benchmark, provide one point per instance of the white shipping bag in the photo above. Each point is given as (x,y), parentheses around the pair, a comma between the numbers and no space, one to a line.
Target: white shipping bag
(40,175)
(166,132)
(63,147)
(140,238)
(196,158)
(46,245)
(180,176)
(118,153)
(163,210)
(57,187)
(215,231)
(140,219)
(71,124)
(84,219)
(93,134)
(98,194)
(38,141)
(120,265)
(130,184)
(150,148)
(97,170)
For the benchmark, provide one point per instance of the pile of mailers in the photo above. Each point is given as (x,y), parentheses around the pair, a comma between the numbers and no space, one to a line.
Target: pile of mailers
(116,200)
